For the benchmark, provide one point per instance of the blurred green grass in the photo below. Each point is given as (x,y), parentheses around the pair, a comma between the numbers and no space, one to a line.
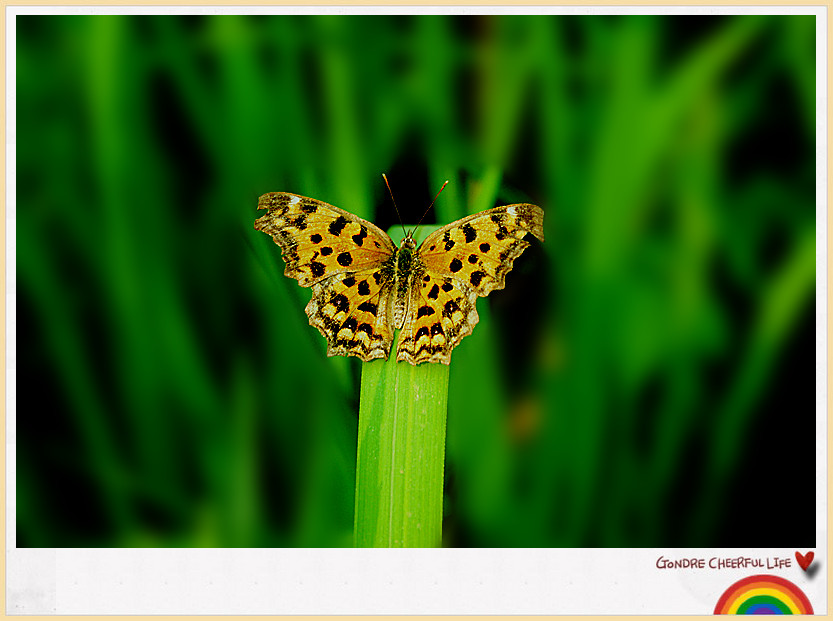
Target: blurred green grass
(625,389)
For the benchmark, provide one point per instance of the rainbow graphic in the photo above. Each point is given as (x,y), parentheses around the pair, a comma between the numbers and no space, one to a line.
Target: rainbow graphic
(763,595)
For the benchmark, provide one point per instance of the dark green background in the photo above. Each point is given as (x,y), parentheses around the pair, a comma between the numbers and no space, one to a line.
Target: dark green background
(645,379)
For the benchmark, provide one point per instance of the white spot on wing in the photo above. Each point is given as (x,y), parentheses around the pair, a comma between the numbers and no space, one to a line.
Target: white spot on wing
(512,211)
(295,200)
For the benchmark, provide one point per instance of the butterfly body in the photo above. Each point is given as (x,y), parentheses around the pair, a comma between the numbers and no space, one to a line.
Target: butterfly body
(364,287)
(408,268)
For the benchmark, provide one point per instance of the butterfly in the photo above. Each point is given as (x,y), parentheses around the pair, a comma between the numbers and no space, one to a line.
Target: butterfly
(364,287)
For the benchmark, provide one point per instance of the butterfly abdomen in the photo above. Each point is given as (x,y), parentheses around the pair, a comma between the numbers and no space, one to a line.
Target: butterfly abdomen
(408,266)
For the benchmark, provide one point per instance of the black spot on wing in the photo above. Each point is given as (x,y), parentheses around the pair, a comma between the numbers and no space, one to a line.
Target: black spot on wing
(337,225)
(469,232)
(349,281)
(425,311)
(315,238)
(476,277)
(364,288)
(341,303)
(435,291)
(472,258)
(485,247)
(344,259)
(368,307)
(456,265)
(326,251)
(359,237)
(447,286)
(449,308)
(316,268)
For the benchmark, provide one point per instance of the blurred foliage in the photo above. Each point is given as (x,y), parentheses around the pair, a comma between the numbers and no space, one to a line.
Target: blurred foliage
(644,379)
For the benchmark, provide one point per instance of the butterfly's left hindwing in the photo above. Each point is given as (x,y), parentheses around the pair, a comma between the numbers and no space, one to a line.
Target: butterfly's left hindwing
(351,311)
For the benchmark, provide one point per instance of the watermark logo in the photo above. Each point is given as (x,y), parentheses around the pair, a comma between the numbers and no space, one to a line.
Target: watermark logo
(763,594)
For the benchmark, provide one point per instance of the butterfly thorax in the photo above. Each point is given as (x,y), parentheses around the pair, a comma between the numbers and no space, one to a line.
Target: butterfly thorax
(407,266)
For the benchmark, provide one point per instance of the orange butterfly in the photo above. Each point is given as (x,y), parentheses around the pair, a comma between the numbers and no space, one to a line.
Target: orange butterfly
(364,287)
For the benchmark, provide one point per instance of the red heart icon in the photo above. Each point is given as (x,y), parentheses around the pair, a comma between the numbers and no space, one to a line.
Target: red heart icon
(804,560)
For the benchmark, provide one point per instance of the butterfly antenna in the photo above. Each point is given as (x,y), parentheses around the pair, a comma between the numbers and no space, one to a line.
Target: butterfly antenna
(432,204)
(394,204)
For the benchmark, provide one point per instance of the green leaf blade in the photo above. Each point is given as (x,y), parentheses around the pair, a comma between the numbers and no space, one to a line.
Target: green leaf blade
(401,453)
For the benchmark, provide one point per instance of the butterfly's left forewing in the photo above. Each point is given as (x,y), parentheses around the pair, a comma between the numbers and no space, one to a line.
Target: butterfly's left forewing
(318,240)
(341,256)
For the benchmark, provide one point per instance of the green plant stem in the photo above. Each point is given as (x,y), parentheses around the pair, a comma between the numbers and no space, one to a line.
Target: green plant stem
(401,453)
